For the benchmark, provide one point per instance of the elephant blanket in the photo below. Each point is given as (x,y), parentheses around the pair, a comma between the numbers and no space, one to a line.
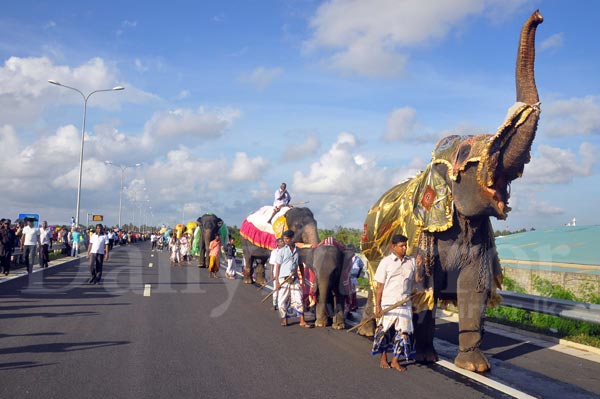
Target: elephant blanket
(424,203)
(256,229)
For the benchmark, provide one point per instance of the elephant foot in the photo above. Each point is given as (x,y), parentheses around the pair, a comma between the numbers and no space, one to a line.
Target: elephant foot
(473,360)
(428,356)
(321,323)
(247,280)
(368,330)
(260,281)
(338,326)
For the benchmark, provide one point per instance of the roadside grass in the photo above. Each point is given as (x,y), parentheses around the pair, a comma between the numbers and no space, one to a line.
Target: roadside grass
(572,330)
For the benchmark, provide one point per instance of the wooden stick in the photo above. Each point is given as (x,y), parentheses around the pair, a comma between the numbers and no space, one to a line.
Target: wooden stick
(287,280)
(265,284)
(384,311)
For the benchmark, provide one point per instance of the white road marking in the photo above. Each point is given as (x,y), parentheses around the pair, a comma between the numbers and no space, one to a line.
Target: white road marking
(150,264)
(147,288)
(486,381)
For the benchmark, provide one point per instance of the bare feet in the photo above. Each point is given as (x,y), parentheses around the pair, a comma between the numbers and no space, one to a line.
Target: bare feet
(396,366)
(284,323)
(384,364)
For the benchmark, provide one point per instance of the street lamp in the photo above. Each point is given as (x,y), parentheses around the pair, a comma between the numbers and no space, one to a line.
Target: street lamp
(85,100)
(122,167)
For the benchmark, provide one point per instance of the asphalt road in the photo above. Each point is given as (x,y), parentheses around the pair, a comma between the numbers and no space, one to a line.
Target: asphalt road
(163,331)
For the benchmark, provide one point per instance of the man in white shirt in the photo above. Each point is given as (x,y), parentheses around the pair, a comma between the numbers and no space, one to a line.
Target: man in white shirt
(282,198)
(30,241)
(98,253)
(395,276)
(46,241)
(273,262)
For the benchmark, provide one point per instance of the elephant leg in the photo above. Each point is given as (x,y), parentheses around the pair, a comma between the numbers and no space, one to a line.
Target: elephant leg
(321,314)
(424,325)
(368,330)
(259,272)
(471,308)
(247,270)
(339,322)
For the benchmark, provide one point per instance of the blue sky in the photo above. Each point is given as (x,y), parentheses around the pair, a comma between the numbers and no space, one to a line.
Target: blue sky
(341,99)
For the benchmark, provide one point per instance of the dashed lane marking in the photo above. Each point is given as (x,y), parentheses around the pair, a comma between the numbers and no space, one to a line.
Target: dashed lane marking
(150,264)
(147,288)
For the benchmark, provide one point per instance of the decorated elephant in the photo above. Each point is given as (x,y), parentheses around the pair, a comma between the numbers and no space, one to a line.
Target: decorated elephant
(210,226)
(259,237)
(445,213)
(331,263)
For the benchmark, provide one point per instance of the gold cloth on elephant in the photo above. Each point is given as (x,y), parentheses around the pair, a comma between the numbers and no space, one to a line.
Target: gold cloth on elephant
(424,204)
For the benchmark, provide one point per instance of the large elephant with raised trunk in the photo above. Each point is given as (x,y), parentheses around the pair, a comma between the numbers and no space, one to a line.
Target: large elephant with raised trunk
(300,220)
(445,213)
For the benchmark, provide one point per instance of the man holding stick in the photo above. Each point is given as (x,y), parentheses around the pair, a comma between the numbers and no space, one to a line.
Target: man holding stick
(395,276)
(289,293)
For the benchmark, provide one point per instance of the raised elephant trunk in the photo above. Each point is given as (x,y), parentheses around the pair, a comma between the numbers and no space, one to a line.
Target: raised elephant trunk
(524,74)
(518,140)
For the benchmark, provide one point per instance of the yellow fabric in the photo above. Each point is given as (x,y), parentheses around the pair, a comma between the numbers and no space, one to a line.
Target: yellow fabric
(425,203)
(213,265)
(279,226)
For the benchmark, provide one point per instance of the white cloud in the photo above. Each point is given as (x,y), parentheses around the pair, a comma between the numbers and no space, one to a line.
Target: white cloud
(555,41)
(139,65)
(183,94)
(372,37)
(245,168)
(301,149)
(576,116)
(550,165)
(25,91)
(205,123)
(402,124)
(262,77)
(340,171)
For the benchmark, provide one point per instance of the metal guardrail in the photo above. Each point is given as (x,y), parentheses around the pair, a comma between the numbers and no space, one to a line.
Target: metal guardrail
(556,307)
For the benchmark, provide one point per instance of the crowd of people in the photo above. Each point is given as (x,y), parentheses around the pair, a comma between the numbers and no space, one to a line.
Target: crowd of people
(395,276)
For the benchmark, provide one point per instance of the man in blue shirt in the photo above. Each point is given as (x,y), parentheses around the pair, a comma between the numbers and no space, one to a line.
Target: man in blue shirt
(289,293)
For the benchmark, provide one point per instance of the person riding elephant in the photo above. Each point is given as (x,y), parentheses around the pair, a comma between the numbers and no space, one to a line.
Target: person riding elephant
(259,237)
(211,226)
(445,213)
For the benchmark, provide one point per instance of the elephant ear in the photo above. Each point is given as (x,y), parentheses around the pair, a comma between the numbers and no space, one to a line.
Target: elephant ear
(346,287)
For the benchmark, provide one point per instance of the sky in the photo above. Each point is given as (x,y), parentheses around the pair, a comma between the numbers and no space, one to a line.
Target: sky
(341,99)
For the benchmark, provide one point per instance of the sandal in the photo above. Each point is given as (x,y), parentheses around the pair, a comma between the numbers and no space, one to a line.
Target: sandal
(306,325)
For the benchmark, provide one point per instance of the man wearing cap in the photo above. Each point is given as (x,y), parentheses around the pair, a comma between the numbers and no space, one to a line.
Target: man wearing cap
(289,292)
(7,243)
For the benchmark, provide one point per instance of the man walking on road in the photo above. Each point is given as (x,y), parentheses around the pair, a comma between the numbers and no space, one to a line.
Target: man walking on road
(46,244)
(30,240)
(98,253)
(289,293)
(394,276)
(7,244)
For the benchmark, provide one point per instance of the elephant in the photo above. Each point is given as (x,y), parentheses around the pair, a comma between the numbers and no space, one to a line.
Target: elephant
(210,226)
(445,214)
(331,265)
(300,220)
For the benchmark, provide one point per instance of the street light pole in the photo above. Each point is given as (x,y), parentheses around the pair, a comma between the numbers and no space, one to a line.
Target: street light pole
(85,100)
(122,167)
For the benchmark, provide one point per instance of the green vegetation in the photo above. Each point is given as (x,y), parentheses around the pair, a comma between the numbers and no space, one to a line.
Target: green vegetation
(344,235)
(572,330)
(506,232)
